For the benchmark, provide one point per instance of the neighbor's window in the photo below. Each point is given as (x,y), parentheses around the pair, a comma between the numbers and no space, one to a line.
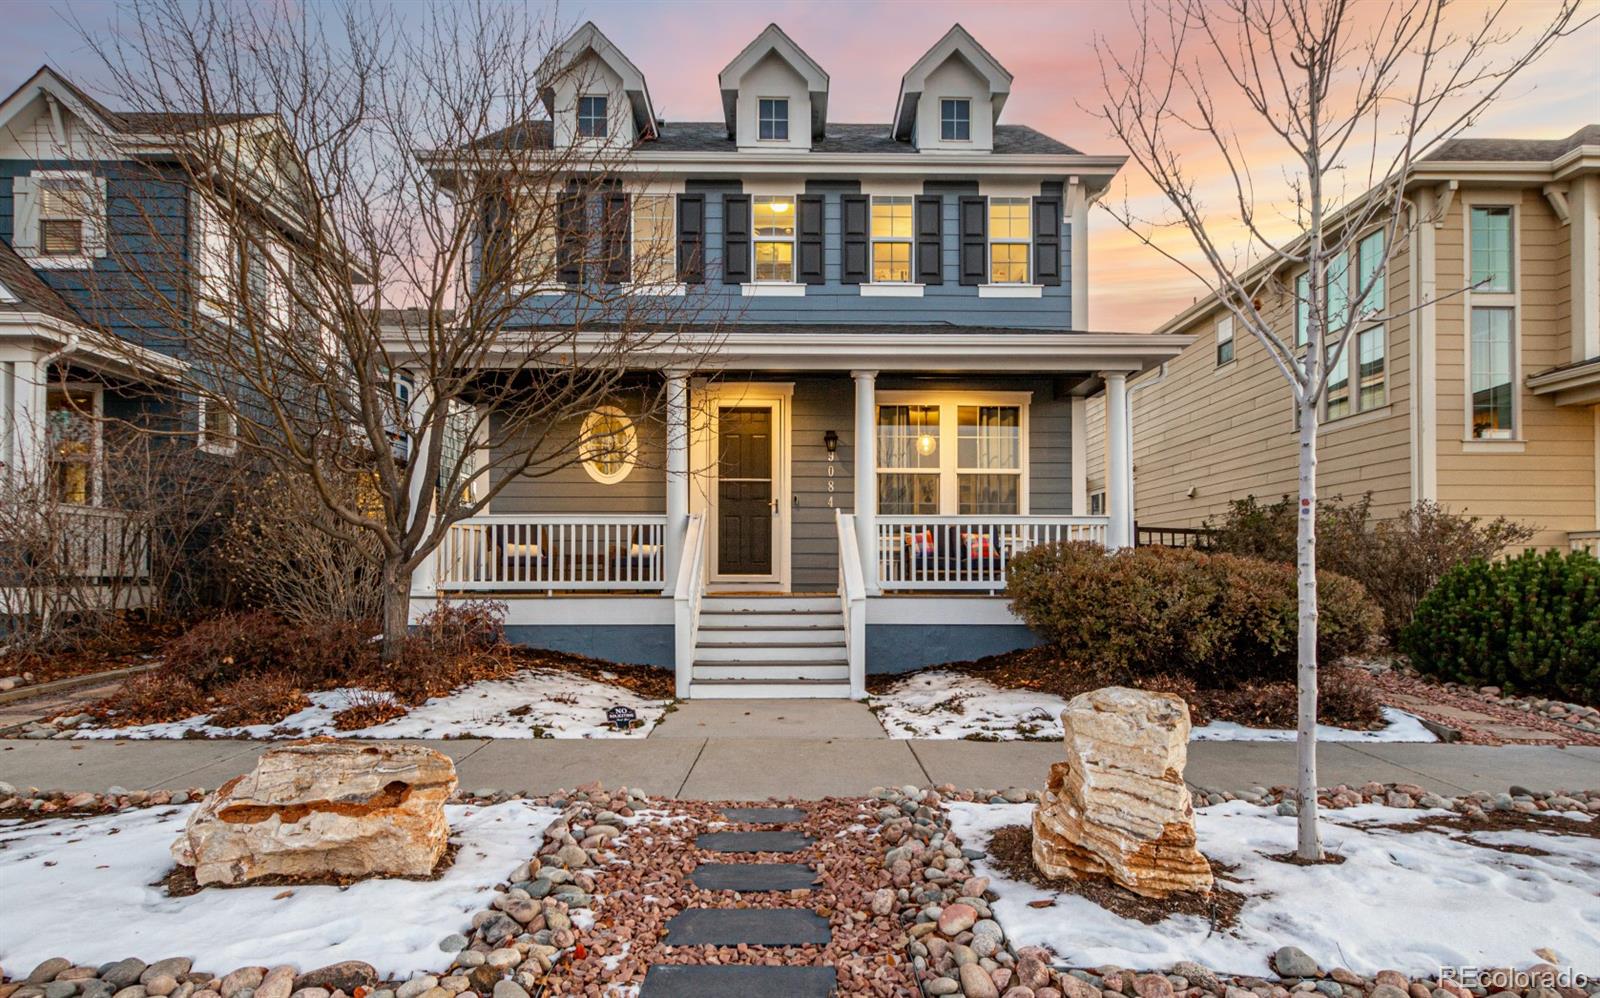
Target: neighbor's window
(1097,504)
(908,460)
(773,119)
(219,429)
(72,420)
(772,218)
(1224,340)
(988,460)
(1370,367)
(64,214)
(609,445)
(1302,309)
(654,239)
(1009,240)
(955,120)
(1370,275)
(1491,249)
(592,117)
(1363,360)
(1491,363)
(891,240)
(457,464)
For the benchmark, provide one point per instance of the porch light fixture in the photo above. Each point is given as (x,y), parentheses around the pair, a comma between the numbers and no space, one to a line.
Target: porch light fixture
(830,440)
(927,443)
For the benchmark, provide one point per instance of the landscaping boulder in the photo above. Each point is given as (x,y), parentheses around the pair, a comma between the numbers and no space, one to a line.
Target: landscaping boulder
(324,808)
(1118,807)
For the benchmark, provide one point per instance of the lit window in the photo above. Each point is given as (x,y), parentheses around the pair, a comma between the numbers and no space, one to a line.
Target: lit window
(772,218)
(609,446)
(1009,240)
(773,118)
(654,239)
(63,214)
(891,240)
(592,117)
(950,458)
(535,238)
(988,460)
(1491,365)
(1224,340)
(72,418)
(1491,249)
(908,460)
(955,120)
(219,428)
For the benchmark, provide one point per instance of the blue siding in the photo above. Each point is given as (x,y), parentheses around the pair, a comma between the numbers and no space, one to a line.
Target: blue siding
(896,648)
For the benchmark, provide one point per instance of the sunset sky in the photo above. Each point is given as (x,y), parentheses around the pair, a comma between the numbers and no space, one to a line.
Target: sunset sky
(866,46)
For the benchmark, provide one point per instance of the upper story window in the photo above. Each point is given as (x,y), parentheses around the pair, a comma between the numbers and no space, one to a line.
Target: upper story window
(1225,340)
(59,217)
(1491,249)
(63,216)
(1302,309)
(654,239)
(592,117)
(891,240)
(534,239)
(1492,363)
(1363,361)
(218,426)
(772,222)
(773,119)
(955,120)
(1010,240)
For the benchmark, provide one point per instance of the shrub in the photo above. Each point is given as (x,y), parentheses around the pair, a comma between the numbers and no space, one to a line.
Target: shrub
(234,646)
(257,699)
(1397,560)
(1529,625)
(1218,619)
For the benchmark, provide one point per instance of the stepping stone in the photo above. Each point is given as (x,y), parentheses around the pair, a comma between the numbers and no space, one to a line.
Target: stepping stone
(753,841)
(754,877)
(764,815)
(699,981)
(748,927)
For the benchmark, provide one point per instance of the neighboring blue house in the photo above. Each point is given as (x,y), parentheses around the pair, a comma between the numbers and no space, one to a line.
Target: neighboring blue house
(891,406)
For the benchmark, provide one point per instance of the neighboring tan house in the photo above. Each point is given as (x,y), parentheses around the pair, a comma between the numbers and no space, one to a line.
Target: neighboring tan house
(1486,401)
(901,357)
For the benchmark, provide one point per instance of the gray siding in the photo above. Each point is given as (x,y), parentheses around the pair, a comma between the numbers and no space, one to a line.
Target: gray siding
(560,485)
(820,405)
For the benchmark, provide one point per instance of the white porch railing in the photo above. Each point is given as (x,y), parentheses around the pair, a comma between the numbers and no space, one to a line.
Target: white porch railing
(1584,540)
(853,603)
(687,594)
(968,552)
(553,553)
(99,543)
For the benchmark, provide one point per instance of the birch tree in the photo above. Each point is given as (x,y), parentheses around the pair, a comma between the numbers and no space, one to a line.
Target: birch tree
(1313,112)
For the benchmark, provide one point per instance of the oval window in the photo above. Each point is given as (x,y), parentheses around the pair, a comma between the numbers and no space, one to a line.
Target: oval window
(609,445)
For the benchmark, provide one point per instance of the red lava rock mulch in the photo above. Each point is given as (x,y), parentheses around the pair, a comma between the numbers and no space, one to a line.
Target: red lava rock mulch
(1388,681)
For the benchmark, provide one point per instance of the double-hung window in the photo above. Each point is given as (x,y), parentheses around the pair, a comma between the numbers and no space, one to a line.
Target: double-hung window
(654,240)
(772,222)
(891,240)
(772,119)
(908,460)
(592,117)
(1010,240)
(1491,367)
(988,460)
(951,456)
(217,425)
(73,428)
(1225,340)
(1491,249)
(1492,330)
(1357,291)
(955,119)
(64,215)
(535,238)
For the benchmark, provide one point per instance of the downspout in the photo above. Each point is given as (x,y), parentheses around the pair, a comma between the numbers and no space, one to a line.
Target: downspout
(1133,519)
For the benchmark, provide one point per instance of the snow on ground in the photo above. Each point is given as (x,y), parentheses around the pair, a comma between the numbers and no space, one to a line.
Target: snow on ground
(81,889)
(558,704)
(1413,902)
(942,704)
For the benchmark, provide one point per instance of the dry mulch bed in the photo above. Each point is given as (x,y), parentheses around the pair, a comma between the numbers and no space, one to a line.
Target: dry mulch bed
(1011,850)
(125,647)
(1390,681)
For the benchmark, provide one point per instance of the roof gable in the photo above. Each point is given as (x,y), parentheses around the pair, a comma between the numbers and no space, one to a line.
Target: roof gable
(590,39)
(956,43)
(773,41)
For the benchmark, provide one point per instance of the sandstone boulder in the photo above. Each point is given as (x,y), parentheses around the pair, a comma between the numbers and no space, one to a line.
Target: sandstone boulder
(1118,807)
(324,808)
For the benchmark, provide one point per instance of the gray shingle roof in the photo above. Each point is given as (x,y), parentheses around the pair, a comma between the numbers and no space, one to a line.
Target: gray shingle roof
(31,292)
(842,137)
(1513,150)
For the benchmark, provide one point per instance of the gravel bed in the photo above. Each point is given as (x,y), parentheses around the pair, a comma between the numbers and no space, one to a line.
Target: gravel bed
(1578,724)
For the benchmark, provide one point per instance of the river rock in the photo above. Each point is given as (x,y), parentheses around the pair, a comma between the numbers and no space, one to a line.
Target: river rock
(1118,807)
(323,808)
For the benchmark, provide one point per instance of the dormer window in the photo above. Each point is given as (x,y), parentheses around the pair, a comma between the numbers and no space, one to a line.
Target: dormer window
(592,117)
(774,119)
(955,120)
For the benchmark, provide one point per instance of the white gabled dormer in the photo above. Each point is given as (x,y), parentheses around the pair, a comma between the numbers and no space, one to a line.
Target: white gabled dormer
(594,94)
(951,98)
(774,96)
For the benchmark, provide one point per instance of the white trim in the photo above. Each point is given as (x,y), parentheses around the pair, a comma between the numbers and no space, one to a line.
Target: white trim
(202,439)
(633,609)
(962,610)
(891,290)
(1012,290)
(950,470)
(706,400)
(909,241)
(1492,446)
(6,295)
(792,241)
(771,289)
(630,443)
(653,287)
(788,119)
(1080,456)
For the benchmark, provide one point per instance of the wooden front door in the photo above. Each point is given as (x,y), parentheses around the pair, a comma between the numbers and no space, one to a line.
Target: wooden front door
(745,512)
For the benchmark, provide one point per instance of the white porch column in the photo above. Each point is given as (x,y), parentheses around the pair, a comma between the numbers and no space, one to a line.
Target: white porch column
(24,448)
(1078,246)
(677,474)
(866,444)
(1119,462)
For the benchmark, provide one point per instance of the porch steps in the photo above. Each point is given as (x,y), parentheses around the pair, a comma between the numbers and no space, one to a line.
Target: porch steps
(770,646)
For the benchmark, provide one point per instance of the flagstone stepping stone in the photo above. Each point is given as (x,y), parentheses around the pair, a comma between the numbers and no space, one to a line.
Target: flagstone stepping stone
(705,981)
(754,877)
(764,815)
(753,841)
(748,927)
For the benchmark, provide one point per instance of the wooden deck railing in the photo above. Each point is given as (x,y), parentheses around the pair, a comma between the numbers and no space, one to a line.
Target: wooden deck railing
(1172,537)
(554,553)
(1584,540)
(968,552)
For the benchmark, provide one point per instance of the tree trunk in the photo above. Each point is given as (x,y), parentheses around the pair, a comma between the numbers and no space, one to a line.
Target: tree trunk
(396,609)
(1306,742)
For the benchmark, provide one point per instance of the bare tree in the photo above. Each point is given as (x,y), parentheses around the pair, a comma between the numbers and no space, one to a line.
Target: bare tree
(1346,96)
(379,208)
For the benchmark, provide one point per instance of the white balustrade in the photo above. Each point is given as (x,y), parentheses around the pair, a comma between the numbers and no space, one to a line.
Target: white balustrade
(968,552)
(512,552)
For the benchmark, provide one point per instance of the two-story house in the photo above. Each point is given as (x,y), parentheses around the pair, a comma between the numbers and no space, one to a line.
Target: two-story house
(892,400)
(1480,393)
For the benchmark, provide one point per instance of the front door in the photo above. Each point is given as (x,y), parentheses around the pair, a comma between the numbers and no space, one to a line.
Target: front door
(745,508)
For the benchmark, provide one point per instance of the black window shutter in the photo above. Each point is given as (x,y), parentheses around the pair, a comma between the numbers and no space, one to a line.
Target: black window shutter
(856,265)
(808,239)
(1047,241)
(618,245)
(930,239)
(735,238)
(974,240)
(692,238)
(570,238)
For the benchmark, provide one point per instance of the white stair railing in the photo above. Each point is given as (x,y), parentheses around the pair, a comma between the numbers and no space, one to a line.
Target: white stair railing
(686,598)
(853,603)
